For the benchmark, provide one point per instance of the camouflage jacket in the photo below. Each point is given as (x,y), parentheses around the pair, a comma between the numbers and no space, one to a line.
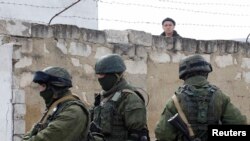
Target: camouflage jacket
(68,123)
(120,113)
(223,112)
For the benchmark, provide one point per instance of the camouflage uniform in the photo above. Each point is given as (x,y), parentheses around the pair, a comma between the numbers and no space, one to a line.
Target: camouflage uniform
(67,119)
(201,102)
(120,113)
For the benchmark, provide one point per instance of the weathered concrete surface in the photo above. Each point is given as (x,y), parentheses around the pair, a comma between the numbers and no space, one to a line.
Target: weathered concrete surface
(152,64)
(6,108)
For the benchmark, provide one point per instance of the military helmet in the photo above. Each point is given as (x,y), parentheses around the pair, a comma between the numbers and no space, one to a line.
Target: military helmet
(55,76)
(195,63)
(112,63)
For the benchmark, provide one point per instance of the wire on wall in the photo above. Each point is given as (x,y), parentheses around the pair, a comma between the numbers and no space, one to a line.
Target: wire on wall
(30,5)
(207,3)
(173,8)
(131,22)
(63,11)
(155,23)
(135,4)
(247,38)
(149,6)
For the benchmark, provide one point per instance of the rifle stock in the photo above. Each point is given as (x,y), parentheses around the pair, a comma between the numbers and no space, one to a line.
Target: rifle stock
(178,123)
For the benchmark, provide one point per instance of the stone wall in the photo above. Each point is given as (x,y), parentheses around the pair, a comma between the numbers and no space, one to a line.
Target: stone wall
(152,64)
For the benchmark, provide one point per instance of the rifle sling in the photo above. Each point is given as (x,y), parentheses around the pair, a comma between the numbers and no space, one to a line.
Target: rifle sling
(182,115)
(54,105)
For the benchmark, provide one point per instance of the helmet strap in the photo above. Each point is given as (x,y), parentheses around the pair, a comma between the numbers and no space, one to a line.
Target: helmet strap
(59,92)
(119,77)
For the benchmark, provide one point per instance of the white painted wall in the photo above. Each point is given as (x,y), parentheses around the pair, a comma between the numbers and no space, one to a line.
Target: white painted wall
(6,122)
(41,11)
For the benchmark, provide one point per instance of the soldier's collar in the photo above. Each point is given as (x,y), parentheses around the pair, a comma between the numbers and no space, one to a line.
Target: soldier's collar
(196,81)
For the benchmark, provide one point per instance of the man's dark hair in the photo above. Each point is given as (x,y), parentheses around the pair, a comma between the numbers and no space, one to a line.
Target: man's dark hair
(168,19)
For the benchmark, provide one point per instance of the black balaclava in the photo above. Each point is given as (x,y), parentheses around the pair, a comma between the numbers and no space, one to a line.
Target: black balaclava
(108,81)
(53,93)
(47,95)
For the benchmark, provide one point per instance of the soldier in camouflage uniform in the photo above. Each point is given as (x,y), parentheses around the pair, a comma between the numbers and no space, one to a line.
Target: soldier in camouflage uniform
(120,112)
(66,118)
(201,102)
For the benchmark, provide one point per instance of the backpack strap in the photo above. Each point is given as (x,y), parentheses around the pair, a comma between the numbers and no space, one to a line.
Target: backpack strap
(134,92)
(182,115)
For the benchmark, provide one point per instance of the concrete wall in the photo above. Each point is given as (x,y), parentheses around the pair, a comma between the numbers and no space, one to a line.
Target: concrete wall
(152,63)
(6,109)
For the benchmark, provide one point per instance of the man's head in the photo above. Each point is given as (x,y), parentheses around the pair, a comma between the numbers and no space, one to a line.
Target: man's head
(53,81)
(109,70)
(168,26)
(194,65)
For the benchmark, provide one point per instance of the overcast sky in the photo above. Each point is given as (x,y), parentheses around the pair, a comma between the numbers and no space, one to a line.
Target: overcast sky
(199,19)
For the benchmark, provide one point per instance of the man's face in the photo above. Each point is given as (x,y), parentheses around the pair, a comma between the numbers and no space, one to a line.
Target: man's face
(100,75)
(168,27)
(41,87)
(107,81)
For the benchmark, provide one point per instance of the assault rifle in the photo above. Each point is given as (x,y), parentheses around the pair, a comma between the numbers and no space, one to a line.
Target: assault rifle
(178,123)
